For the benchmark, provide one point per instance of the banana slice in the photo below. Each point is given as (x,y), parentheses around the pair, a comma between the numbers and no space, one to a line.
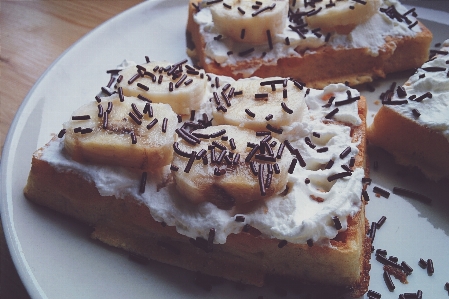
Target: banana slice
(248,21)
(228,179)
(341,16)
(117,138)
(179,85)
(256,103)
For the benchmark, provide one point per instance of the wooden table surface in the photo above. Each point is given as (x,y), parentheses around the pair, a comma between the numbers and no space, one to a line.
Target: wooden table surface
(33,34)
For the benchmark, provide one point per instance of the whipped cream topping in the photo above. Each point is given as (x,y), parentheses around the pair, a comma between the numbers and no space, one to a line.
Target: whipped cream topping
(370,34)
(304,213)
(431,77)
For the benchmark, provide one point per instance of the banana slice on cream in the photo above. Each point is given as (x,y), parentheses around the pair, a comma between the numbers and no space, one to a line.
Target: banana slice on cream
(256,103)
(229,166)
(249,21)
(341,16)
(179,85)
(131,133)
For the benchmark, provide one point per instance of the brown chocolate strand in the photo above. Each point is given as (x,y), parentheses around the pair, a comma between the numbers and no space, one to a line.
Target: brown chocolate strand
(143,182)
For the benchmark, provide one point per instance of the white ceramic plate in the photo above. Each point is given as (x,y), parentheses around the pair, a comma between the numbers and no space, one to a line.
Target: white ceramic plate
(55,257)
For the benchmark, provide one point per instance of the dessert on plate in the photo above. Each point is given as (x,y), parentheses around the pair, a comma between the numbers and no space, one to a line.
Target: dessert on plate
(413,122)
(245,180)
(316,42)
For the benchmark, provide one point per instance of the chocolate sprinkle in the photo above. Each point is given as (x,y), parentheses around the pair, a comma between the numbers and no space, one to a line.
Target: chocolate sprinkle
(164,125)
(135,118)
(236,159)
(186,136)
(242,33)
(346,167)
(152,123)
(81,117)
(239,218)
(407,268)
(133,138)
(190,162)
(282,243)
(180,81)
(348,101)
(337,223)
(373,294)
(232,143)
(120,94)
(261,181)
(218,134)
(141,97)
(339,176)
(106,91)
(246,52)
(143,182)
(100,111)
(133,78)
(382,259)
(381,192)
(286,109)
(276,168)
(280,151)
(252,153)
(381,221)
(332,113)
(367,180)
(422,263)
(352,162)
(322,149)
(105,120)
(292,166)
(388,281)
(219,145)
(329,102)
(267,158)
(136,111)
(261,95)
(416,113)
(345,152)
(273,129)
(426,95)
(430,269)
(61,133)
(263,9)
(365,195)
(310,242)
(302,163)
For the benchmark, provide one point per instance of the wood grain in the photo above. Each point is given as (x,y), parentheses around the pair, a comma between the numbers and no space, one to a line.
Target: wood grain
(33,34)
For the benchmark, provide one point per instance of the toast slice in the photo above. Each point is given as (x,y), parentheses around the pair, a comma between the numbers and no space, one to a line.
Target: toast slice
(152,217)
(412,122)
(372,49)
